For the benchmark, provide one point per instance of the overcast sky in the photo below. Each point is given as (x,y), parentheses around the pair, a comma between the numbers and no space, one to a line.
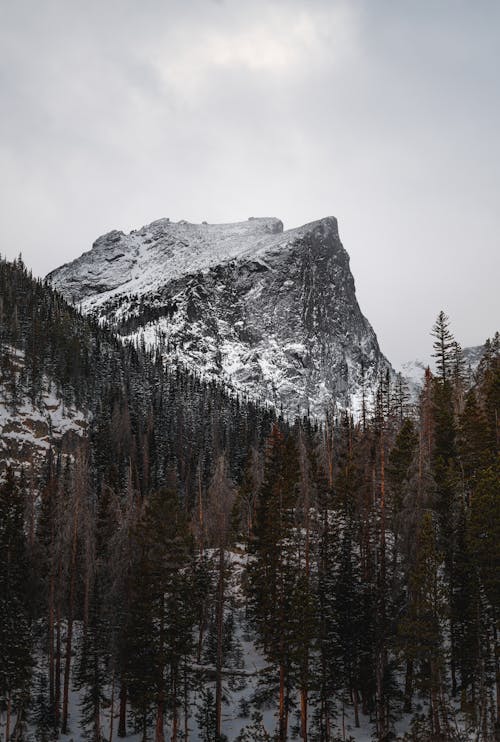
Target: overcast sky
(385,114)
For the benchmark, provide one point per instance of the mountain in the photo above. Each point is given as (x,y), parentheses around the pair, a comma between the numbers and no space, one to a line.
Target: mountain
(472,357)
(414,371)
(66,383)
(29,427)
(272,313)
(185,533)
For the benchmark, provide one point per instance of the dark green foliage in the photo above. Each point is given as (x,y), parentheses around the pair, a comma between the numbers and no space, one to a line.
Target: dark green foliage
(15,630)
(485,532)
(255,731)
(400,461)
(373,547)
(160,626)
(42,715)
(444,346)
(420,629)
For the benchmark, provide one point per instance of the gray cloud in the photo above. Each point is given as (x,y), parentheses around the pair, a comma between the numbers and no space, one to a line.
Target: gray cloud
(115,113)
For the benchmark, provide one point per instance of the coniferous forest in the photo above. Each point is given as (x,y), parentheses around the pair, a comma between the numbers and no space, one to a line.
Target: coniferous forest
(192,566)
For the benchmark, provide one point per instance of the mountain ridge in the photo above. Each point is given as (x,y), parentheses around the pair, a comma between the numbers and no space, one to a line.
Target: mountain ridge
(271,312)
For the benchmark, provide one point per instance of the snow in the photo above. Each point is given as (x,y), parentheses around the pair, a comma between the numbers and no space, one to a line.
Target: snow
(253,664)
(270,313)
(29,430)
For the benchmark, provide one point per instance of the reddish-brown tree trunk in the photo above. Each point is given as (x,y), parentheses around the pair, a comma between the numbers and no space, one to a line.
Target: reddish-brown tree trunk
(122,718)
(159,733)
(69,630)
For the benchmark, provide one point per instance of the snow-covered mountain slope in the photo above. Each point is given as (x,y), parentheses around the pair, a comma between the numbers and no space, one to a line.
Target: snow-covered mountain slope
(28,430)
(414,371)
(272,313)
(472,357)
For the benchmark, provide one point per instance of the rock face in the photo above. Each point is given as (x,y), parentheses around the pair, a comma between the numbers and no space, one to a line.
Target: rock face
(28,430)
(272,313)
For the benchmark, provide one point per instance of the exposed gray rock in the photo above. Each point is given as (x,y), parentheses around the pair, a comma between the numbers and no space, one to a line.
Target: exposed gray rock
(272,313)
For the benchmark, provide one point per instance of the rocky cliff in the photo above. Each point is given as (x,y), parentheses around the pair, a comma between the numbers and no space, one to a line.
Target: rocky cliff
(272,313)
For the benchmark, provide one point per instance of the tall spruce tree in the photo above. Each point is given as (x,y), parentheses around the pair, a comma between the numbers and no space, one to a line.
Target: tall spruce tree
(421,627)
(160,627)
(272,573)
(16,658)
(444,345)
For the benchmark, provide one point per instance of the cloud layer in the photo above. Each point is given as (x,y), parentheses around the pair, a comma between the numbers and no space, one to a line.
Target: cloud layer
(384,114)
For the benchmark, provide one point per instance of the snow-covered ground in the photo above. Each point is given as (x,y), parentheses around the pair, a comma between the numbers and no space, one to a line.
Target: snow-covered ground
(27,429)
(241,680)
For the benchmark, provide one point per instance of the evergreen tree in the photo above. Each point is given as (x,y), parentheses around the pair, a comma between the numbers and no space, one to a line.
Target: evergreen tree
(421,627)
(272,574)
(15,631)
(42,712)
(444,345)
(160,628)
(255,731)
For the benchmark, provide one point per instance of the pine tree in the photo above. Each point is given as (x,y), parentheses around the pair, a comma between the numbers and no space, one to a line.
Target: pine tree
(206,717)
(42,712)
(464,608)
(420,630)
(15,631)
(221,494)
(160,627)
(91,672)
(255,731)
(400,460)
(443,345)
(485,532)
(272,574)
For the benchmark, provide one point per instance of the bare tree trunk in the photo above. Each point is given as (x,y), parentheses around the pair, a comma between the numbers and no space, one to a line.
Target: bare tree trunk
(219,657)
(159,733)
(57,706)
(186,706)
(408,692)
(287,706)
(201,523)
(282,715)
(355,699)
(436,724)
(327,723)
(122,718)
(7,721)
(51,644)
(175,715)
(112,709)
(69,630)
(496,654)
(382,654)
(303,714)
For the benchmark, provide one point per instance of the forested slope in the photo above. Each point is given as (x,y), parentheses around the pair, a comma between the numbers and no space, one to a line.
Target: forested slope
(191,568)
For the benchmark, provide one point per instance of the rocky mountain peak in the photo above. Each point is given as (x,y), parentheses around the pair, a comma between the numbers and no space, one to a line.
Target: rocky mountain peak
(271,312)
